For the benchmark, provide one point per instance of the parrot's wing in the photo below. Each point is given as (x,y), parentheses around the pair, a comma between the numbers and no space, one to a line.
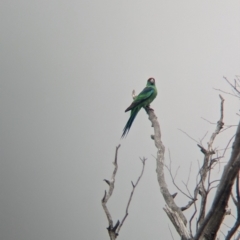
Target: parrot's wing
(142,97)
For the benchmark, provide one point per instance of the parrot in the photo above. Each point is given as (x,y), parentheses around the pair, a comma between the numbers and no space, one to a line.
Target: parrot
(143,99)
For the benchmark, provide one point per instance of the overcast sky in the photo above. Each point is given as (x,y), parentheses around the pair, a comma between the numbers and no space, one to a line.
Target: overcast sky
(67,72)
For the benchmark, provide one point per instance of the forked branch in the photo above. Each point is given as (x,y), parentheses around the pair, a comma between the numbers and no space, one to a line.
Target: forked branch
(214,218)
(113,230)
(205,170)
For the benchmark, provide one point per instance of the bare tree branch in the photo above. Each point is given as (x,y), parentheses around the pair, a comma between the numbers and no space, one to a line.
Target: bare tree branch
(203,137)
(234,87)
(234,199)
(173,211)
(189,172)
(131,195)
(214,218)
(188,135)
(170,232)
(111,229)
(188,205)
(205,167)
(237,223)
(234,95)
(207,225)
(173,177)
(178,223)
(190,221)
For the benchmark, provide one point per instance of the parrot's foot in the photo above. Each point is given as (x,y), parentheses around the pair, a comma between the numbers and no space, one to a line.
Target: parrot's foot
(147,108)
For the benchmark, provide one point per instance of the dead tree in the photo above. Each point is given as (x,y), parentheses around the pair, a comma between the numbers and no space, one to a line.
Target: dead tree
(208,222)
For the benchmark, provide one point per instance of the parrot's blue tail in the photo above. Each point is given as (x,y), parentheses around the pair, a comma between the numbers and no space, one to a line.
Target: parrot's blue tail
(129,122)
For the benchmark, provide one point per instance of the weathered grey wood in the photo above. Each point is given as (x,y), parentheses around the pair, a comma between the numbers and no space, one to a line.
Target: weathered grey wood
(173,211)
(215,216)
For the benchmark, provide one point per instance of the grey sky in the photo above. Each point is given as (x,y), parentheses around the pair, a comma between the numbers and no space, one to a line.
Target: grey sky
(67,72)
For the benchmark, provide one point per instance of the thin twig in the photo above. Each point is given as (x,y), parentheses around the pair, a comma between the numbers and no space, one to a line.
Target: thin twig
(232,85)
(131,195)
(205,170)
(226,148)
(234,199)
(188,135)
(234,95)
(190,168)
(190,221)
(227,127)
(170,232)
(173,180)
(203,137)
(213,123)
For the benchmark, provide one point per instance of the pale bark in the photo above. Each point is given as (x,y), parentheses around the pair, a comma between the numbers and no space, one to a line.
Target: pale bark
(215,216)
(173,211)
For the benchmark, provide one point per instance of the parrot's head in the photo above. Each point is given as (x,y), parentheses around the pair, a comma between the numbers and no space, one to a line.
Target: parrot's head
(151,81)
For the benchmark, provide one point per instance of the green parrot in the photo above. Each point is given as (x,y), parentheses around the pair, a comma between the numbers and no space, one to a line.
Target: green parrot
(143,99)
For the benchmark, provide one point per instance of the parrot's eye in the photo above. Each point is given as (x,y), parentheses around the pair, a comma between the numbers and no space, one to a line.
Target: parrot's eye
(151,80)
